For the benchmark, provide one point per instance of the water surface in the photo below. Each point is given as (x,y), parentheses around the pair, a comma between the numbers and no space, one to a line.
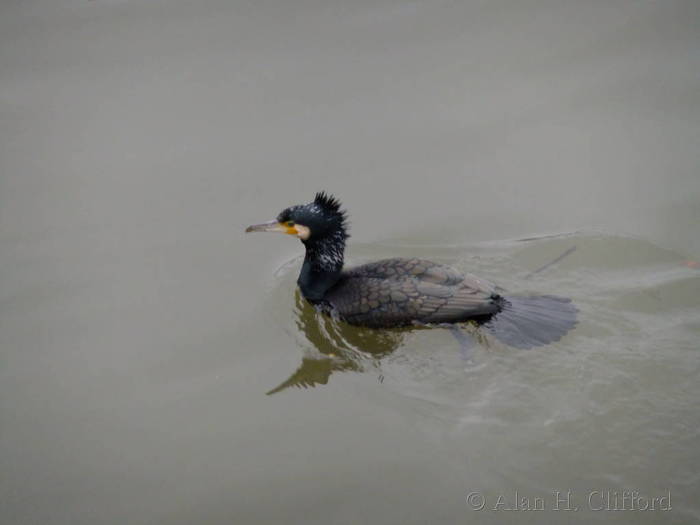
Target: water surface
(156,365)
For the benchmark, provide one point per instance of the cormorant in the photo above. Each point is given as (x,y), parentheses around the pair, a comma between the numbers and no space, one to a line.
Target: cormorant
(399,292)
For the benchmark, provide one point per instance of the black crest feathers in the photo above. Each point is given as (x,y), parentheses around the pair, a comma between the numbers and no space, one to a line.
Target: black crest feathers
(327,202)
(330,205)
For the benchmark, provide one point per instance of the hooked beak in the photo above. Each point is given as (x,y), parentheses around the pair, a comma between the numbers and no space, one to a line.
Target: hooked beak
(272,226)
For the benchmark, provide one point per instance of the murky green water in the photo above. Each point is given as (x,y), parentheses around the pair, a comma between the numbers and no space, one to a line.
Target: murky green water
(158,366)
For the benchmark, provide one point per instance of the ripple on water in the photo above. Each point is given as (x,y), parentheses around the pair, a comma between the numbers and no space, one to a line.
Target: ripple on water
(633,297)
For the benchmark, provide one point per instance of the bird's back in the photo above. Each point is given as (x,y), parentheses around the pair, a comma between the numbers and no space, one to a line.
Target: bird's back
(397,292)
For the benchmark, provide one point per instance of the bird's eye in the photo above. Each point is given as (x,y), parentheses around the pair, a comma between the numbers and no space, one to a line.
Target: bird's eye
(290,223)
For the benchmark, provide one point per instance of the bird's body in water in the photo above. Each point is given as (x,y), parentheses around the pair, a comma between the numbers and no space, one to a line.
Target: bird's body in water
(399,292)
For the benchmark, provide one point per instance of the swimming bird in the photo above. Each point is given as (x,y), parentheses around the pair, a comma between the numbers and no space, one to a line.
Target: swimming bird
(399,292)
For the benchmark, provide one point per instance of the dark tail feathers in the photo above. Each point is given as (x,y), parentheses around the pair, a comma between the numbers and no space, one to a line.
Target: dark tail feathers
(526,322)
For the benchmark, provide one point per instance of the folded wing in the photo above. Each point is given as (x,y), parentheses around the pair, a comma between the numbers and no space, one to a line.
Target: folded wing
(404,291)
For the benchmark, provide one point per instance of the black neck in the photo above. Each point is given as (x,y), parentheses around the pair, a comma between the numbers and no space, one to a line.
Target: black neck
(322,266)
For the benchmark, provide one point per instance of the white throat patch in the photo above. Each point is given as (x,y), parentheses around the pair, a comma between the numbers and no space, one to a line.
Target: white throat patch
(302,231)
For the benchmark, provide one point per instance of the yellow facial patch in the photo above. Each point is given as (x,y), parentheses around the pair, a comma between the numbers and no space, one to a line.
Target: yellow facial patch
(299,230)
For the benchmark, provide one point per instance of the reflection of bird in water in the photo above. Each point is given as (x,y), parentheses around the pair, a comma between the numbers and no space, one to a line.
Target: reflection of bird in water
(342,347)
(401,292)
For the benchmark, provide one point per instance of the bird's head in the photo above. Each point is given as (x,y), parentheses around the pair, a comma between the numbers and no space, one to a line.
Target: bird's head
(318,220)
